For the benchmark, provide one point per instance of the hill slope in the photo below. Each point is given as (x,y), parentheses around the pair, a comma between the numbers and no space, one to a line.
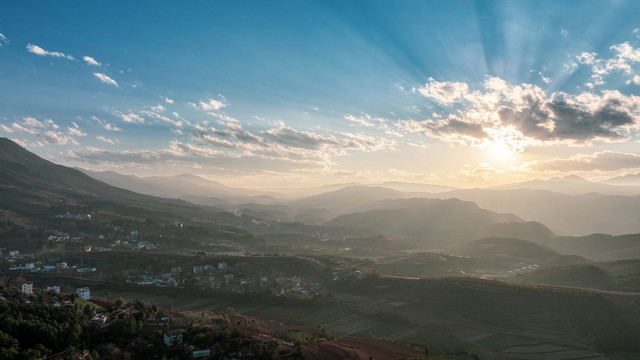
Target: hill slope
(31,186)
(439,221)
(564,214)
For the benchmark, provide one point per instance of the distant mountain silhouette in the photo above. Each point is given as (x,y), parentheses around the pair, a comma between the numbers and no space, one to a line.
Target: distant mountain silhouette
(185,186)
(574,185)
(437,221)
(564,214)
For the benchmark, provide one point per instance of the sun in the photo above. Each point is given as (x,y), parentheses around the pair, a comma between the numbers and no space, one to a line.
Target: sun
(501,151)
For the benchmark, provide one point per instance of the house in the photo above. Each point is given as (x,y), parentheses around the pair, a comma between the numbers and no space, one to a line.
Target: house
(27,288)
(54,288)
(200,353)
(83,293)
(172,337)
(358,274)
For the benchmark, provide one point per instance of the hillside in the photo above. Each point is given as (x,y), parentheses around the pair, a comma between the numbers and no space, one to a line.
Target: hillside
(600,247)
(31,186)
(437,222)
(527,230)
(564,214)
(503,247)
(584,276)
(347,199)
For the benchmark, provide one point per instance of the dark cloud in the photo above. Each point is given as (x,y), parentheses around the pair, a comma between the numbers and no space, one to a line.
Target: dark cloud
(537,116)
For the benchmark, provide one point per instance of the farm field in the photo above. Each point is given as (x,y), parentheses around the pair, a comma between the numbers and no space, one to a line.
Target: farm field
(430,315)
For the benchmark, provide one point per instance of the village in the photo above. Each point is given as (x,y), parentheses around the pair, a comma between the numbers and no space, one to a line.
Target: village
(147,329)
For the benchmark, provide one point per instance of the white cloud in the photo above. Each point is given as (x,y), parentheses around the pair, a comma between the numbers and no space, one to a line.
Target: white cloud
(158,108)
(111,127)
(635,80)
(131,118)
(46,130)
(545,79)
(151,114)
(105,124)
(107,140)
(3,40)
(105,79)
(625,58)
(208,105)
(75,130)
(366,120)
(444,92)
(168,101)
(35,49)
(5,128)
(19,142)
(91,61)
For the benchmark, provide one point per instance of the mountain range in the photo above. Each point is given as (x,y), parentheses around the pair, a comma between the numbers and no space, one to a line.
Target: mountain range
(33,187)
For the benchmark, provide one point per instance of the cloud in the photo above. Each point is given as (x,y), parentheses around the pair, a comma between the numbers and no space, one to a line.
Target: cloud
(106,125)
(46,130)
(625,58)
(107,140)
(544,79)
(35,49)
(606,161)
(168,101)
(3,40)
(105,79)
(209,105)
(75,130)
(365,120)
(158,108)
(111,127)
(449,130)
(131,118)
(444,92)
(285,143)
(526,115)
(150,114)
(91,61)
(635,80)
(289,137)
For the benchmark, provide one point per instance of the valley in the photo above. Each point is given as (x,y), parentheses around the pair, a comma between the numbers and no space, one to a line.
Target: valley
(369,269)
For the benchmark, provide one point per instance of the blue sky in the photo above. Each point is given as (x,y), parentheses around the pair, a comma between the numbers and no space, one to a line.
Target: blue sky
(257,93)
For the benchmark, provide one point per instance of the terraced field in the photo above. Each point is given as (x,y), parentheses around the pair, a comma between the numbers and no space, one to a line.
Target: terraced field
(488,319)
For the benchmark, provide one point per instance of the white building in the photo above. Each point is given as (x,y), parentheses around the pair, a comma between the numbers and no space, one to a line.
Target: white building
(173,337)
(27,288)
(83,293)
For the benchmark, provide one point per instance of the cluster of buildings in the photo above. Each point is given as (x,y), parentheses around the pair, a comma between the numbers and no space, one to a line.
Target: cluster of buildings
(26,262)
(51,294)
(228,279)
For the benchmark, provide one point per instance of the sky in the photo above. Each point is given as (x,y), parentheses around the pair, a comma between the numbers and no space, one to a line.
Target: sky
(284,94)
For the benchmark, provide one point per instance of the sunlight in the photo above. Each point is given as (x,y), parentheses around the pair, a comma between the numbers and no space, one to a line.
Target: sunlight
(501,151)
